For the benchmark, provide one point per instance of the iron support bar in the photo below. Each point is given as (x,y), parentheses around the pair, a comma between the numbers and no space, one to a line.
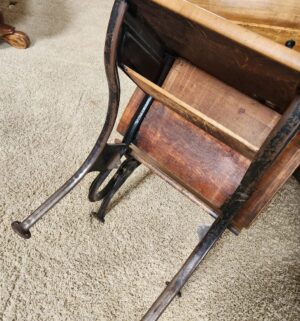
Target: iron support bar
(141,112)
(128,138)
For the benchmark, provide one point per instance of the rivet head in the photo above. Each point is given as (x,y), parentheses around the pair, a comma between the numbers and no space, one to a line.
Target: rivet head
(290,43)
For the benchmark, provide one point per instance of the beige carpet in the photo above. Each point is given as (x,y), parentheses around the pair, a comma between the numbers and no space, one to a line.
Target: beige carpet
(53,100)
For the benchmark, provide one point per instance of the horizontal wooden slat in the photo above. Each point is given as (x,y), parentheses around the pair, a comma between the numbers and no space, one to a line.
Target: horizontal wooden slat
(247,118)
(268,12)
(204,121)
(193,115)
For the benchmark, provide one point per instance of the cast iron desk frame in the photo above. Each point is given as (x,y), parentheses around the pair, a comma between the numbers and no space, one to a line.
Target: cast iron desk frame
(104,157)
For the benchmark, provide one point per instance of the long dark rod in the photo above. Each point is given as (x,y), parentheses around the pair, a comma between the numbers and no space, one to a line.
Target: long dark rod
(110,57)
(278,139)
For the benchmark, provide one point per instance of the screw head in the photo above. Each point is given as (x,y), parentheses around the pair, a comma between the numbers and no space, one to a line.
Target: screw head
(290,43)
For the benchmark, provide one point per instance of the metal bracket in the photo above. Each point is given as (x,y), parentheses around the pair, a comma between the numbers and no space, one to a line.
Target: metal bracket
(110,158)
(107,193)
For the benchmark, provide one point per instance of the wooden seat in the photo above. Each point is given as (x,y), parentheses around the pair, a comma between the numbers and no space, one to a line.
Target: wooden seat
(197,160)
(211,165)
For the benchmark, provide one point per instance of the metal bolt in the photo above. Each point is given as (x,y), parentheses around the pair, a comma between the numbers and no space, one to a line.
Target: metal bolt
(290,43)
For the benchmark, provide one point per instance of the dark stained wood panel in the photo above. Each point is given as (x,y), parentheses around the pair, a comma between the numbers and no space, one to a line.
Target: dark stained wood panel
(247,70)
(271,182)
(282,169)
(207,166)
(212,169)
(168,176)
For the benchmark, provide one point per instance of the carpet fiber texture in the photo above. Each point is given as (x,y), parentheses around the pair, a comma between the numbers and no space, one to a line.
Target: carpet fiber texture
(53,100)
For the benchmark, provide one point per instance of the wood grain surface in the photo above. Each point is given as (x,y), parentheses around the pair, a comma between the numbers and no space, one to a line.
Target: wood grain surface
(159,157)
(270,184)
(229,79)
(237,120)
(209,167)
(202,164)
(252,64)
(275,19)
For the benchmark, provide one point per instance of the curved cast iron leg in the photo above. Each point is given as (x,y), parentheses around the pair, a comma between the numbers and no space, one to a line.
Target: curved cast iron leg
(107,193)
(110,57)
